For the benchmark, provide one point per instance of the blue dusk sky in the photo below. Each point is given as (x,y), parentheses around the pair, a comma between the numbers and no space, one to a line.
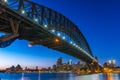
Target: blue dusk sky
(98,20)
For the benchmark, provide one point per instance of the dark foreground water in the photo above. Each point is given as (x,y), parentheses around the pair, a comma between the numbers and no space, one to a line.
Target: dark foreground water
(57,76)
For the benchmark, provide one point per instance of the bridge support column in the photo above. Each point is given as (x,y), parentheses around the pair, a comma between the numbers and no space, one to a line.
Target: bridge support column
(14,26)
(9,38)
(93,67)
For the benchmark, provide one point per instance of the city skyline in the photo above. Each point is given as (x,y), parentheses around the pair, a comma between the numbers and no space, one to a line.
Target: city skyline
(58,63)
(97,20)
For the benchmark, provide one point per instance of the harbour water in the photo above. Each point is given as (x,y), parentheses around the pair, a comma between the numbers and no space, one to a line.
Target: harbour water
(57,76)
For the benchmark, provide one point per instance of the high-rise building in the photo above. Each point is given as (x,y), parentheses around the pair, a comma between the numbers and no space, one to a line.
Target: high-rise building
(70,62)
(111,63)
(54,67)
(59,61)
(36,67)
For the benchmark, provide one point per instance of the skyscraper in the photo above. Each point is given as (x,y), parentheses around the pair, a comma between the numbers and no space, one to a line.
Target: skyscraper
(59,61)
(70,62)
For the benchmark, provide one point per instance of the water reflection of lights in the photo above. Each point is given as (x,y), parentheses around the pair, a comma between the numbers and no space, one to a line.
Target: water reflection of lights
(108,76)
(23,77)
(70,76)
(39,76)
(116,77)
(88,77)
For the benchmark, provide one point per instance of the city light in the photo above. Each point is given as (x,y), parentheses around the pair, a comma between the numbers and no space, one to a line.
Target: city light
(114,61)
(46,34)
(109,61)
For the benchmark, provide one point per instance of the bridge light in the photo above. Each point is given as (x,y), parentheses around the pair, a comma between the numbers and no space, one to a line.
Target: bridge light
(23,12)
(74,44)
(36,20)
(5,1)
(77,46)
(63,37)
(71,42)
(53,30)
(58,34)
(56,40)
(45,26)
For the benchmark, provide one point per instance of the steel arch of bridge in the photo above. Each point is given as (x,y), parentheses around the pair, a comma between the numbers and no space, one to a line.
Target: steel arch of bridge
(51,21)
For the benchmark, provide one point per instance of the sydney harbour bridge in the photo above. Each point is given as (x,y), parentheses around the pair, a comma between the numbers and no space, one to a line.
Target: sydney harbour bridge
(26,20)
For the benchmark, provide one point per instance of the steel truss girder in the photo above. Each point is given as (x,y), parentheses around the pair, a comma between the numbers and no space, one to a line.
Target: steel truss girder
(47,15)
(44,15)
(11,37)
